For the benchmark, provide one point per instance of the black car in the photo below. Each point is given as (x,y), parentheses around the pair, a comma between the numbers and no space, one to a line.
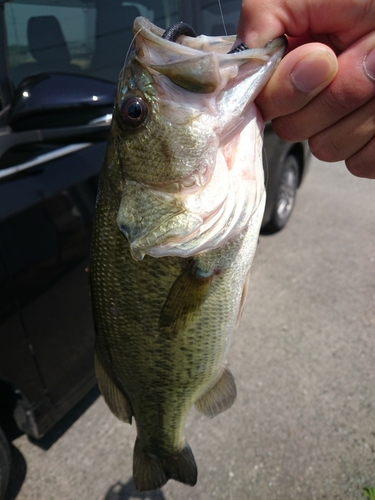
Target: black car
(59,61)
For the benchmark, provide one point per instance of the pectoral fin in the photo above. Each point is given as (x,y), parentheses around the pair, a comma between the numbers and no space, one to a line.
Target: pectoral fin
(218,397)
(182,307)
(113,396)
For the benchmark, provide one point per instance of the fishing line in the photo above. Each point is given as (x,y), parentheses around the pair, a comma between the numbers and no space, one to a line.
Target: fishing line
(222,17)
(242,46)
(131,45)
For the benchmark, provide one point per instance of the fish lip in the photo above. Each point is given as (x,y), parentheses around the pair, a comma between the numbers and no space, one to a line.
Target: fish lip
(153,33)
(201,64)
(279,43)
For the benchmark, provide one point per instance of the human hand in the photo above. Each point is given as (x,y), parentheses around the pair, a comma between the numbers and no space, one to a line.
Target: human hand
(323,91)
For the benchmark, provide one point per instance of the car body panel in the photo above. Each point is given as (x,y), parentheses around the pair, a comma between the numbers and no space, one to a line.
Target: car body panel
(44,245)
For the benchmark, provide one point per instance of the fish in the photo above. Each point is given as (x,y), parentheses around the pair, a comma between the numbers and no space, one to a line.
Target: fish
(179,208)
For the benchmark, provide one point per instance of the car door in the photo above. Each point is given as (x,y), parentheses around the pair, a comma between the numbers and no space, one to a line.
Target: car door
(47,214)
(17,364)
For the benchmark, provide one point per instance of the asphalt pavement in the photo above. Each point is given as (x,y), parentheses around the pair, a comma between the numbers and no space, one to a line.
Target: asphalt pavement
(303,425)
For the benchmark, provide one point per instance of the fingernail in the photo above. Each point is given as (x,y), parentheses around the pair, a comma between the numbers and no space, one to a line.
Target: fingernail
(369,64)
(313,70)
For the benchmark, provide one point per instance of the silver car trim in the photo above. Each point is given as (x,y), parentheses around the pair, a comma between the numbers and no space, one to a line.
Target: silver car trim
(38,160)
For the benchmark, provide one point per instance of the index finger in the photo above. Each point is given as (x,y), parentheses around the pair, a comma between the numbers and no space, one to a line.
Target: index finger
(344,21)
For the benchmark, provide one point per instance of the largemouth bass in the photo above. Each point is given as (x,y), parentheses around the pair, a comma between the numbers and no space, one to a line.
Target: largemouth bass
(180,204)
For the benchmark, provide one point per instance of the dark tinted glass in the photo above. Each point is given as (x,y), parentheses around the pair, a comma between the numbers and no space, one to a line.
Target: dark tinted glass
(89,37)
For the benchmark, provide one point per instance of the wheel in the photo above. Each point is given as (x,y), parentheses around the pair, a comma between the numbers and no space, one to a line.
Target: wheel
(5,463)
(285,195)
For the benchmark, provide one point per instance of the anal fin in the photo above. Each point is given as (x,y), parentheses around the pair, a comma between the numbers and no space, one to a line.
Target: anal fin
(113,396)
(151,472)
(219,397)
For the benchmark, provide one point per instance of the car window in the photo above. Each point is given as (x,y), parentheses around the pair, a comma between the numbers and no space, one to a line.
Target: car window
(89,37)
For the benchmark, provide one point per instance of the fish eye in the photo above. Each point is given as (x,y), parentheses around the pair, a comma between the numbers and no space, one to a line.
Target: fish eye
(133,111)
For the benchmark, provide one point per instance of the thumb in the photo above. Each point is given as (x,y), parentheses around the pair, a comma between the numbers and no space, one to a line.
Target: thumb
(299,77)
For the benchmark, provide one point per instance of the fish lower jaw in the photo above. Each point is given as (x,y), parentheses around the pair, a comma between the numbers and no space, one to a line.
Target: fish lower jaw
(201,242)
(185,234)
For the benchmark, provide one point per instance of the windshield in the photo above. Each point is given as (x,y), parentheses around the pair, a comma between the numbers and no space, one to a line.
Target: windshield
(87,37)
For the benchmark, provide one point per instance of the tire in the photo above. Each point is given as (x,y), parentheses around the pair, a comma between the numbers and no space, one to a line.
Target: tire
(285,195)
(5,463)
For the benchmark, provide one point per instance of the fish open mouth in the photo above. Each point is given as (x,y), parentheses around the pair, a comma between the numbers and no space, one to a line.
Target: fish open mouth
(199,63)
(212,197)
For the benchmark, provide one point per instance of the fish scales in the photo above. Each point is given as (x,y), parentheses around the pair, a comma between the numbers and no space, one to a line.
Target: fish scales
(176,373)
(177,220)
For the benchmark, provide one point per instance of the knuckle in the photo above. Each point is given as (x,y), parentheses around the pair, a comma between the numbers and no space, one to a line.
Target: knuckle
(325,148)
(287,129)
(362,164)
(338,101)
(343,96)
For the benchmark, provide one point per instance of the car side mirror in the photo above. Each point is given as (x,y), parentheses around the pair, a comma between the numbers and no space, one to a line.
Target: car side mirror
(52,100)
